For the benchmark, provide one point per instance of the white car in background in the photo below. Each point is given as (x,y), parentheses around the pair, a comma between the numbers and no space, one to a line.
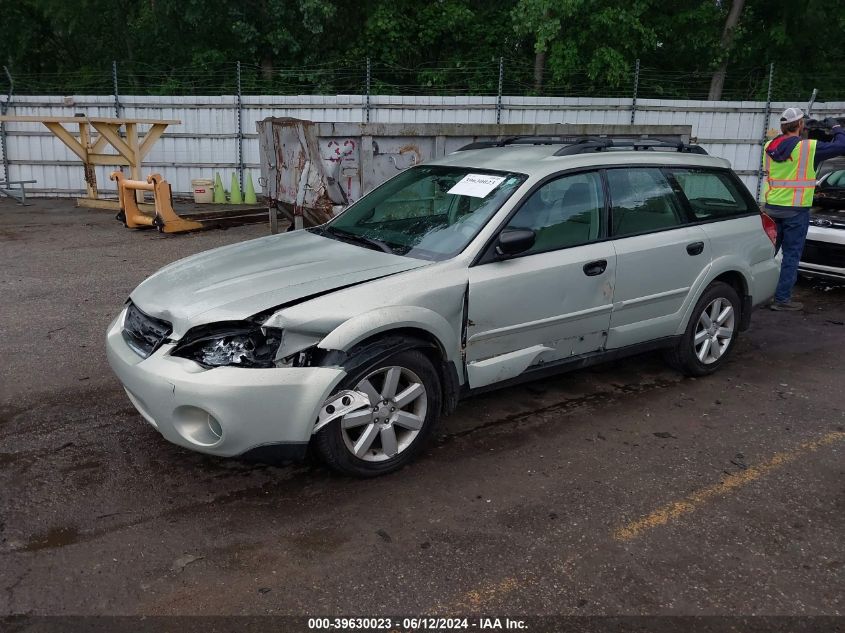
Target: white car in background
(824,251)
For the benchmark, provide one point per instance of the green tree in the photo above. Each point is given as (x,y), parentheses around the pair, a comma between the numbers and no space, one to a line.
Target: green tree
(600,38)
(726,42)
(441,46)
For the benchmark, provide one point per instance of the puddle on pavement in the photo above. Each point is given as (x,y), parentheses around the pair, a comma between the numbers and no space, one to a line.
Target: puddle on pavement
(54,537)
(83,466)
(563,406)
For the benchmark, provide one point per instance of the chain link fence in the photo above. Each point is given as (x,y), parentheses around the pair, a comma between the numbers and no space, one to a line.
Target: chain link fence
(500,90)
(500,76)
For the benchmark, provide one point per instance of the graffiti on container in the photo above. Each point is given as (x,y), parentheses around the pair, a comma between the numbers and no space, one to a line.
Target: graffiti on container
(341,152)
(411,149)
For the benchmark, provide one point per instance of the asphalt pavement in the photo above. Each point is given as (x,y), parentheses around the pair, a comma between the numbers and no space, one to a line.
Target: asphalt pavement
(623,489)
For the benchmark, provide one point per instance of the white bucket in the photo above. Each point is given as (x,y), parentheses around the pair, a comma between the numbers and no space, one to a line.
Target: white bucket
(203,190)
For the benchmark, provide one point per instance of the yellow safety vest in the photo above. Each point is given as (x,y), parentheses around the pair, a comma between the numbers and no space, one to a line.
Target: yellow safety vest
(791,183)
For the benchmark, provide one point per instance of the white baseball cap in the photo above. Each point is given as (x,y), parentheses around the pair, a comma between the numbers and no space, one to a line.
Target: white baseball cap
(791,114)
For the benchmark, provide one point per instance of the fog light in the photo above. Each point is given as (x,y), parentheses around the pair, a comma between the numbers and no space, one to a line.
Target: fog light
(197,426)
(214,427)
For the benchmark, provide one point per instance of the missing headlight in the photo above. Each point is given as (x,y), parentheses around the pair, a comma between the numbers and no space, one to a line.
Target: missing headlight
(233,344)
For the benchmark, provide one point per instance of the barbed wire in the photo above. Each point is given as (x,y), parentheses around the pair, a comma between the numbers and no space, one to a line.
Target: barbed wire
(473,78)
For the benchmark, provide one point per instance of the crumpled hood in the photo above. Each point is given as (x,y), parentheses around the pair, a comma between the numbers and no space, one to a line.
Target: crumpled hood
(780,149)
(240,280)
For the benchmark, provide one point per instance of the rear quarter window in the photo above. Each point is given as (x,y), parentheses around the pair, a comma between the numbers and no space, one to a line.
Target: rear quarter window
(711,194)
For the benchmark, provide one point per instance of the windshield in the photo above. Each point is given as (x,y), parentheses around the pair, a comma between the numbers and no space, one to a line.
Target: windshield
(428,212)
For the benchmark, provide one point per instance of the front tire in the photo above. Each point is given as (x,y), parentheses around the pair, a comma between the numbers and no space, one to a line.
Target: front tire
(711,333)
(405,397)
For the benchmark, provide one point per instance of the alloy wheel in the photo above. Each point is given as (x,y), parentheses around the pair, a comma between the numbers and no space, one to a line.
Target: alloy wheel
(714,331)
(397,412)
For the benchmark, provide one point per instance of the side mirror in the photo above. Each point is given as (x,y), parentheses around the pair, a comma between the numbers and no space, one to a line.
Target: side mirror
(514,241)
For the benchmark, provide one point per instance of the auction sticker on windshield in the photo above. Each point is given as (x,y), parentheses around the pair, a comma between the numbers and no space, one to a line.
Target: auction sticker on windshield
(476,185)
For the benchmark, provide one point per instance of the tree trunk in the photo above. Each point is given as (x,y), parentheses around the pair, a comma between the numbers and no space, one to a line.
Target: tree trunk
(718,80)
(267,67)
(539,67)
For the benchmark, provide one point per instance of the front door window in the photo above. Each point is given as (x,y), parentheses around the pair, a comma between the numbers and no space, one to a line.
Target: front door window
(563,213)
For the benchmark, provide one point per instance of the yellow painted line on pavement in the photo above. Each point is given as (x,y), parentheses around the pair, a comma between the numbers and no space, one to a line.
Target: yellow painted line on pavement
(473,600)
(689,504)
(496,592)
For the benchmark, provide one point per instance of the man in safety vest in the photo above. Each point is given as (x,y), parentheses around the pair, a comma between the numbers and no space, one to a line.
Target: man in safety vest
(789,163)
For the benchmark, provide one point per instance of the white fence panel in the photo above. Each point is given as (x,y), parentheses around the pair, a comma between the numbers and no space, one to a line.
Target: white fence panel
(206,141)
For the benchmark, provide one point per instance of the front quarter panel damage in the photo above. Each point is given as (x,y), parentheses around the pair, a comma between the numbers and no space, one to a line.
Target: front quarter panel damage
(430,299)
(353,328)
(390,318)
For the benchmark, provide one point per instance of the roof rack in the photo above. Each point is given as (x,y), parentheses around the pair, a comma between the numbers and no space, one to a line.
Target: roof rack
(587,145)
(583,145)
(522,140)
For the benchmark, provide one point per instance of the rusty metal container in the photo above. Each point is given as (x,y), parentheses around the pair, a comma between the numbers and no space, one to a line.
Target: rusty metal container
(311,171)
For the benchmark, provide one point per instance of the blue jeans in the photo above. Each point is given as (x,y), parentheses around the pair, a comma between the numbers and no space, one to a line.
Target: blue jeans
(791,235)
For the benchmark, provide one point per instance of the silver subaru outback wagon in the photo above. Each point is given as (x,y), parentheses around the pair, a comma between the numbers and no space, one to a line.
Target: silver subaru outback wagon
(498,263)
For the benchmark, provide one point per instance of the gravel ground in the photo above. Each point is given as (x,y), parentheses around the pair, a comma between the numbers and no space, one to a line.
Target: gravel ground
(623,489)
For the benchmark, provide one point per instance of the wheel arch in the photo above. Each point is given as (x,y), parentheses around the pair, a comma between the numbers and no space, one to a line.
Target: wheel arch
(428,324)
(731,273)
(369,337)
(739,282)
(735,279)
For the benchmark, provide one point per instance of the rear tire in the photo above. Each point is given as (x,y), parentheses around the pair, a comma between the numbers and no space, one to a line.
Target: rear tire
(406,395)
(711,333)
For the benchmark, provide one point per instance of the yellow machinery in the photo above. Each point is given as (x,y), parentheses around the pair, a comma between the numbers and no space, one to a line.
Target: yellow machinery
(164,219)
(162,216)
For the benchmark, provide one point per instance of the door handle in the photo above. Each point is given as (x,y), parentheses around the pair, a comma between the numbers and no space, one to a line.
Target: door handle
(595,268)
(696,248)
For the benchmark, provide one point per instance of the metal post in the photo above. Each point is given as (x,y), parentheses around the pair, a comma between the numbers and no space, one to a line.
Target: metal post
(367,93)
(812,101)
(117,106)
(4,108)
(240,132)
(636,90)
(274,219)
(499,97)
(767,116)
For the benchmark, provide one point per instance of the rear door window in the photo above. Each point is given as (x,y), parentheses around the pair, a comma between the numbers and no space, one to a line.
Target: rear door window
(642,201)
(711,194)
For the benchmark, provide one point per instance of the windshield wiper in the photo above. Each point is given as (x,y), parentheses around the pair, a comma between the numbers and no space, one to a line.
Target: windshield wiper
(354,238)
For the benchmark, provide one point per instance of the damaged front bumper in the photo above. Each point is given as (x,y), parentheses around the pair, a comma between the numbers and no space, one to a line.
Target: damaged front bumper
(225,411)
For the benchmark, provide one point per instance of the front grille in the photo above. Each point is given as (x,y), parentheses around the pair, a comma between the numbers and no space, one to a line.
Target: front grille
(142,332)
(824,254)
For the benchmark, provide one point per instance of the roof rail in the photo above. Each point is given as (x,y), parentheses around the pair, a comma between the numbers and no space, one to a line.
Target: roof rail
(587,145)
(522,140)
